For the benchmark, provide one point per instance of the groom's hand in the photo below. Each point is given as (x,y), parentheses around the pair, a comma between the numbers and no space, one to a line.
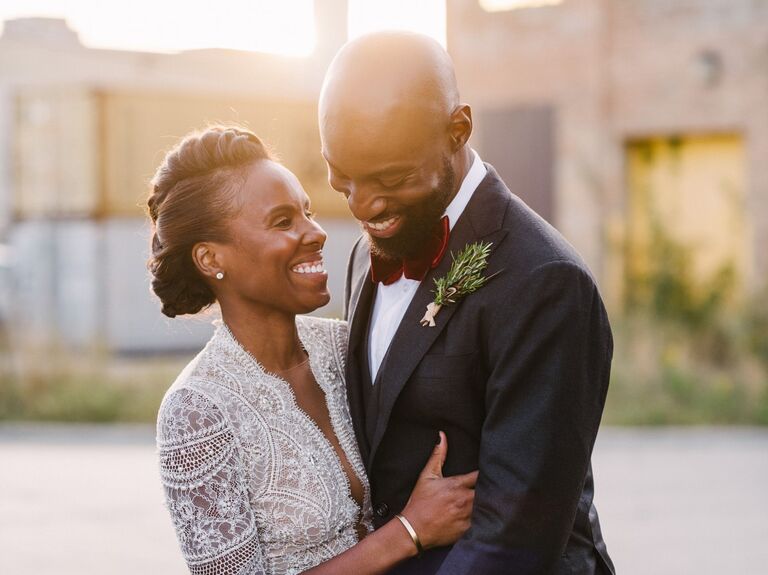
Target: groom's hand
(440,507)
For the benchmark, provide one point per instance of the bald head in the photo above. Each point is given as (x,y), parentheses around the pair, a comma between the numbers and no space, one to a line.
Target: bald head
(390,70)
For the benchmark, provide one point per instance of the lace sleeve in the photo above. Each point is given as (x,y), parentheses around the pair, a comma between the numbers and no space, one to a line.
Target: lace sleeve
(205,487)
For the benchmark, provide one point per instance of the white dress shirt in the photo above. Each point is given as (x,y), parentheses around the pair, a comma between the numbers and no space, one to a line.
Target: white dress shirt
(392,300)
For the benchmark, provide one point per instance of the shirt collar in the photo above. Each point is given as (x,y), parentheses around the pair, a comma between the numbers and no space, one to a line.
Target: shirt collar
(471,181)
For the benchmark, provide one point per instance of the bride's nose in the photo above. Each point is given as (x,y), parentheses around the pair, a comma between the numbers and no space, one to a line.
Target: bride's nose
(314,234)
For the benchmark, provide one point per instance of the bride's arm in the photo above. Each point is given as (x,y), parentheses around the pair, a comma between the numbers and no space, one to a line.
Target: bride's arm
(205,491)
(438,511)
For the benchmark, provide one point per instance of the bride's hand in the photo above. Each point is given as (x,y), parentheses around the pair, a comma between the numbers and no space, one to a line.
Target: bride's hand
(440,507)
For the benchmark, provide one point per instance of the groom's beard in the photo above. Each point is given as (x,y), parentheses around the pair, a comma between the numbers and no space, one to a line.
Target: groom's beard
(420,220)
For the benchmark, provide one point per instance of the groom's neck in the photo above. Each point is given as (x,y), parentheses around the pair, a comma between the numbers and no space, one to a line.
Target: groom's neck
(462,162)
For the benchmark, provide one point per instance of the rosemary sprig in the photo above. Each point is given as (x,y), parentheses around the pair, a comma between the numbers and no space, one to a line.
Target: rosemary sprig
(465,275)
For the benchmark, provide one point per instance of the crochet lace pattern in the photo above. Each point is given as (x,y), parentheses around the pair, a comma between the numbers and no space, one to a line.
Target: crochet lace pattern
(251,483)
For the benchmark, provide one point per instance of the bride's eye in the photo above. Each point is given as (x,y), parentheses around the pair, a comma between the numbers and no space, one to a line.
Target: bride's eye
(310,214)
(283,223)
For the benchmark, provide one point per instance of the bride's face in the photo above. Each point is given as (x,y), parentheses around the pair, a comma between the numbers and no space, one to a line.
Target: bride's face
(275,257)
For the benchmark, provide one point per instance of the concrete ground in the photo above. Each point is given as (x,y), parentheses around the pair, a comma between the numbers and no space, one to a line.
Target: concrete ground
(86,500)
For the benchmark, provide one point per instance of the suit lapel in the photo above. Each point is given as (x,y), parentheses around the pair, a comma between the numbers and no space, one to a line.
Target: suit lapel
(361,301)
(481,220)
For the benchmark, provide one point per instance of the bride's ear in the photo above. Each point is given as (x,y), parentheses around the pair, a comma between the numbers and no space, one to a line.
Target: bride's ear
(207,259)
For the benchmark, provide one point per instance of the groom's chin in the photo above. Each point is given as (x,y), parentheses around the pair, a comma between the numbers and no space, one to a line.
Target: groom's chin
(403,245)
(406,244)
(384,248)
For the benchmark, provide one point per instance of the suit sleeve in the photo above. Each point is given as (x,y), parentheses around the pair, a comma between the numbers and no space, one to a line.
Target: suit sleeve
(549,348)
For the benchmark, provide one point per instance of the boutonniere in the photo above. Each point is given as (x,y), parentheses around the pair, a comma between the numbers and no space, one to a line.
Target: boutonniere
(464,277)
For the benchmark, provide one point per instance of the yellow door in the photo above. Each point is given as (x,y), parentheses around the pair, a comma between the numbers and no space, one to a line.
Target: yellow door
(690,193)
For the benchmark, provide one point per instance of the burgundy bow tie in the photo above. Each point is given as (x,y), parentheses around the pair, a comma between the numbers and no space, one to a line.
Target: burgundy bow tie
(416,267)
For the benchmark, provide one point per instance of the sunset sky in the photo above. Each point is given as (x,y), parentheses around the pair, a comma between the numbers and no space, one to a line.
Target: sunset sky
(277,26)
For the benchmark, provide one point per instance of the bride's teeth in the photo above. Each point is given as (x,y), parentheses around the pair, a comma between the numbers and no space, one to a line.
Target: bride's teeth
(313,268)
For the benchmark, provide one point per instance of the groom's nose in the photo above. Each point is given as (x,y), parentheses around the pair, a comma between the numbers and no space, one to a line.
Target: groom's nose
(364,203)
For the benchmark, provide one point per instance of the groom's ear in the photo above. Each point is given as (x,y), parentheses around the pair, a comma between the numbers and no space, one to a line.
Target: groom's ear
(460,127)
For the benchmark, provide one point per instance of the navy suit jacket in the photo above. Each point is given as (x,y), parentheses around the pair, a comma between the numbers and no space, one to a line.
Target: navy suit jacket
(516,375)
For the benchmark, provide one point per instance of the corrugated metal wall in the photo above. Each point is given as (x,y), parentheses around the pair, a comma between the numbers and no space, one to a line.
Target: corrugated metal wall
(83,160)
(137,128)
(57,153)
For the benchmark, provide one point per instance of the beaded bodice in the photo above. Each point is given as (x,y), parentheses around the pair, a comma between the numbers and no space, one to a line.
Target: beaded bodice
(251,483)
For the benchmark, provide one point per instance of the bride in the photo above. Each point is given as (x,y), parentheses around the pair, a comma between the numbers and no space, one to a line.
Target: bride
(258,459)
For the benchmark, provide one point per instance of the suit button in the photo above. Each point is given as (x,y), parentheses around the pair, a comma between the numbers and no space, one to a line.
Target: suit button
(382,509)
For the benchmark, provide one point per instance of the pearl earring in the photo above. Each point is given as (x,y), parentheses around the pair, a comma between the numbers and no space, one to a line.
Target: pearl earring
(220,276)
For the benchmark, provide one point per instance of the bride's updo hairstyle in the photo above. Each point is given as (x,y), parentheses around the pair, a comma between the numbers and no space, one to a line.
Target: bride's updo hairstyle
(194,195)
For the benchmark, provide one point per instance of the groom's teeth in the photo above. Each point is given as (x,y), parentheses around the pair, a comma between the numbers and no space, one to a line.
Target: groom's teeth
(381,226)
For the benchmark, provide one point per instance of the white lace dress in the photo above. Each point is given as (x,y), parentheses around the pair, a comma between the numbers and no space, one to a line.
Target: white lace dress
(251,483)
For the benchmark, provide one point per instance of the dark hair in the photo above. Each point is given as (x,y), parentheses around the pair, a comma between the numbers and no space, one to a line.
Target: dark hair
(193,197)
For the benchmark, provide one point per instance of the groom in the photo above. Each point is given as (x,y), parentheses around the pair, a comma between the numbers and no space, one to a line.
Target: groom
(515,373)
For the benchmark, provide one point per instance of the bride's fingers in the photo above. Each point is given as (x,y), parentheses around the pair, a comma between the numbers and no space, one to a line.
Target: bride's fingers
(467,479)
(434,466)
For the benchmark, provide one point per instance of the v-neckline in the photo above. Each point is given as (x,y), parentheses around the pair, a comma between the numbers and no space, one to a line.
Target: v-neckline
(325,390)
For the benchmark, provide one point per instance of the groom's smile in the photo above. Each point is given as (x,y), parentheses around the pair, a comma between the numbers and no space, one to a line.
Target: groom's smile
(384,228)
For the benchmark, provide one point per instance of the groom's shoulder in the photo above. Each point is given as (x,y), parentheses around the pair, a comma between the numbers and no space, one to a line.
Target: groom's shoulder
(530,242)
